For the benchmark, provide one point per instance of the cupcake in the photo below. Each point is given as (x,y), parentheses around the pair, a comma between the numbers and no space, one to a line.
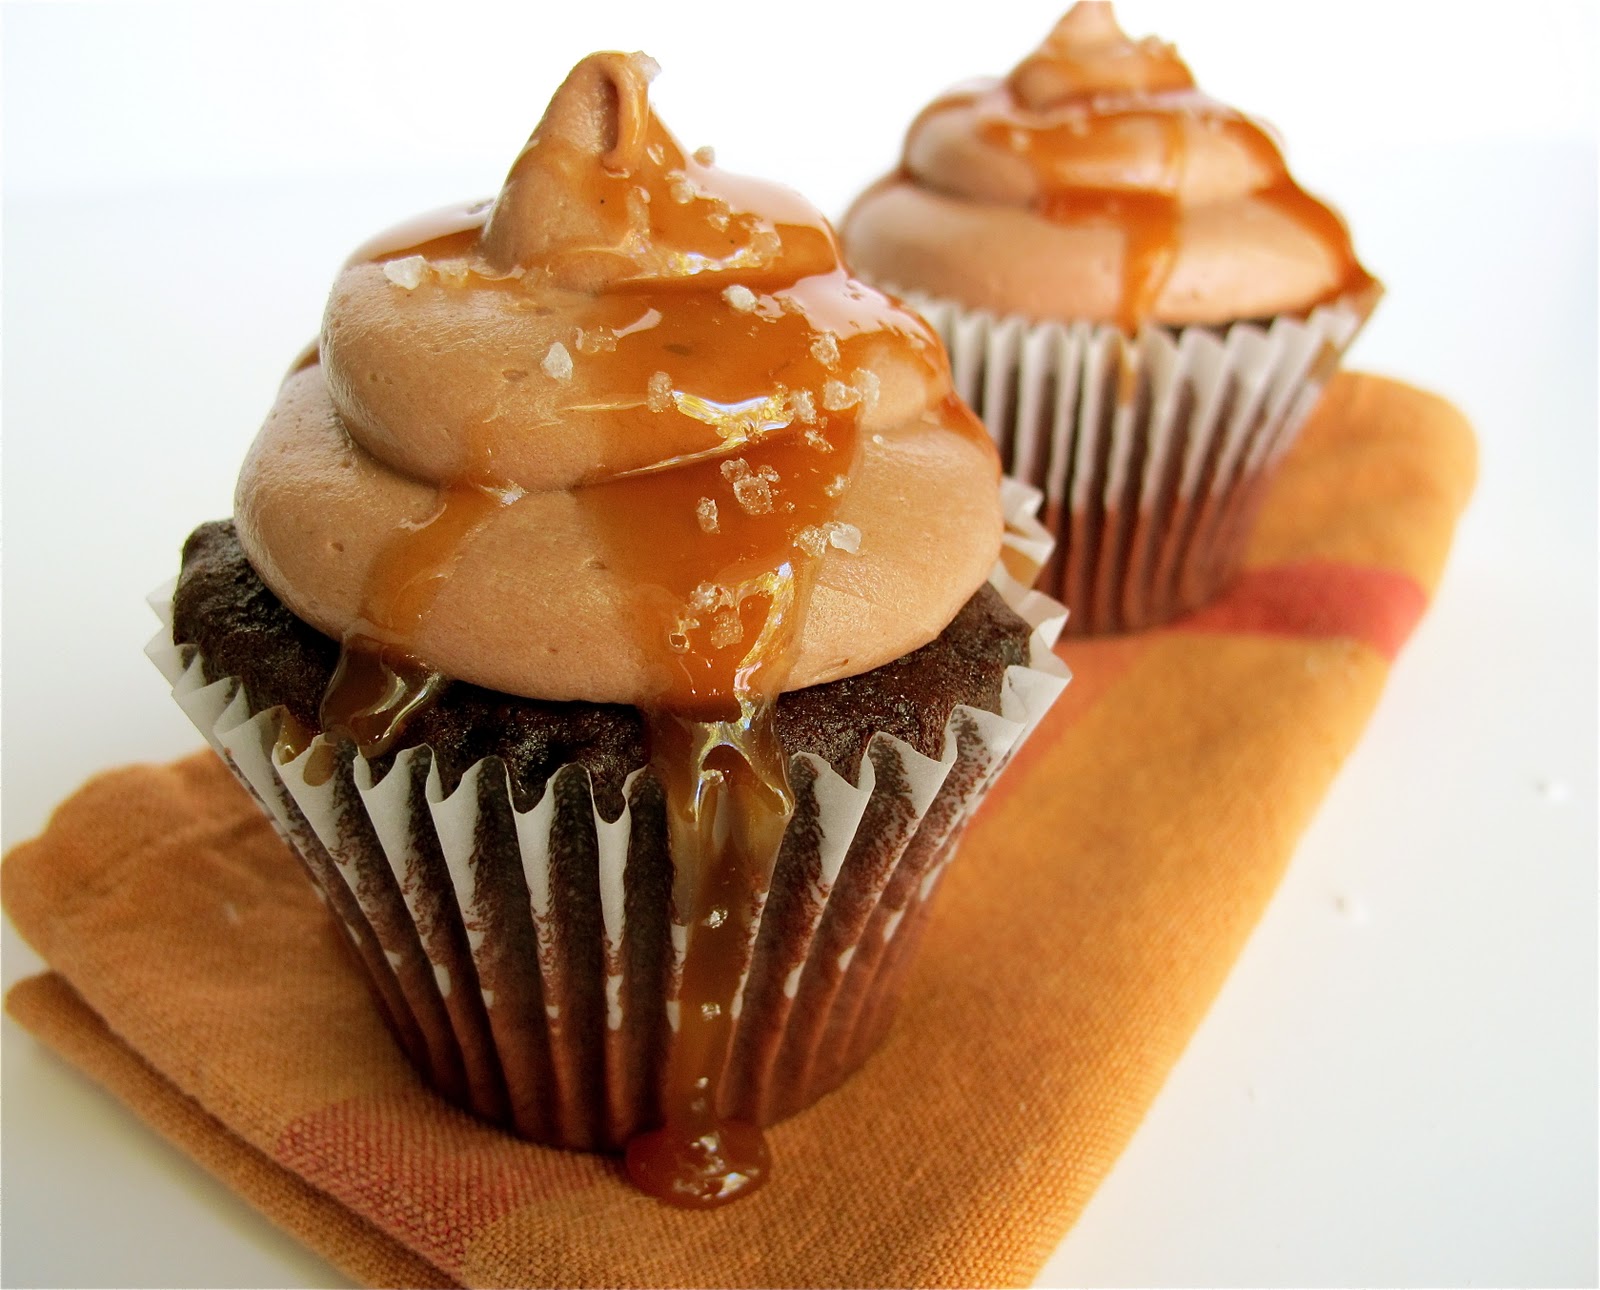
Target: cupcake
(1137,298)
(613,621)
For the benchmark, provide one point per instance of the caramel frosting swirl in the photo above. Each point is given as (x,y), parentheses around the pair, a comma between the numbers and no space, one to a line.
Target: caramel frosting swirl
(1097,182)
(560,444)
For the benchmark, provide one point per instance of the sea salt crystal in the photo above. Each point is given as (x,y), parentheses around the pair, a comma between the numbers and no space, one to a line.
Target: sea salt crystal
(825,349)
(658,396)
(814,438)
(835,486)
(868,385)
(804,407)
(453,271)
(708,596)
(705,510)
(741,298)
(557,363)
(847,537)
(752,489)
(754,494)
(706,156)
(726,629)
(406,273)
(648,67)
(814,539)
(681,190)
(596,340)
(837,396)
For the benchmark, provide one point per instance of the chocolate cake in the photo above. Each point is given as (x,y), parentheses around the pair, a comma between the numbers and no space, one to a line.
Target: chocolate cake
(242,630)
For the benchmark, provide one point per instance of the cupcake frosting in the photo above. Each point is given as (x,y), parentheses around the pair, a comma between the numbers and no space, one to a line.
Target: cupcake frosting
(1097,182)
(623,434)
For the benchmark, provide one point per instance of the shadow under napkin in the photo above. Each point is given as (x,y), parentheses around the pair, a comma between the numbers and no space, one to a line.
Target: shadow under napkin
(1099,901)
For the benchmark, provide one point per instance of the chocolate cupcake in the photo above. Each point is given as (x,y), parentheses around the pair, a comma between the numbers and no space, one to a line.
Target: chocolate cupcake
(1137,298)
(613,620)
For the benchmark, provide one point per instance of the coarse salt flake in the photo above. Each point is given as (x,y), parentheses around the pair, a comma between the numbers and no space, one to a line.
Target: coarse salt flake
(706,156)
(406,273)
(825,349)
(814,438)
(658,394)
(868,385)
(754,495)
(726,629)
(705,510)
(804,407)
(740,297)
(847,537)
(557,363)
(837,396)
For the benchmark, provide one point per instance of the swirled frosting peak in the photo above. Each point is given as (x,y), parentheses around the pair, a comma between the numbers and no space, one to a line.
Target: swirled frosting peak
(1088,53)
(627,433)
(1096,182)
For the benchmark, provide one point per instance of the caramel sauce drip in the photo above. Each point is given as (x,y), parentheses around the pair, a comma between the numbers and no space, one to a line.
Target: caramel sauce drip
(684,301)
(1090,94)
(378,683)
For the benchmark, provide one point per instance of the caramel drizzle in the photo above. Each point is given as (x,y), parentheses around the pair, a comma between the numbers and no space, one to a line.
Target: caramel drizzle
(1054,138)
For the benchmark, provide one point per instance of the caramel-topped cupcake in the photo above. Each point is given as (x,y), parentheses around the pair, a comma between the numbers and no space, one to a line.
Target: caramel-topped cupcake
(1096,191)
(608,621)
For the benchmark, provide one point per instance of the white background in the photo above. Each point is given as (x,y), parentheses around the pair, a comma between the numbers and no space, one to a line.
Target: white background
(1398,1083)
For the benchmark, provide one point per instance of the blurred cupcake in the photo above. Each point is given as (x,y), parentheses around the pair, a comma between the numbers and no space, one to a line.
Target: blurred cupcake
(613,622)
(1137,298)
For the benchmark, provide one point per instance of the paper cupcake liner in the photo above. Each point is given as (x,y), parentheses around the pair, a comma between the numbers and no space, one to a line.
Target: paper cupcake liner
(1151,451)
(528,960)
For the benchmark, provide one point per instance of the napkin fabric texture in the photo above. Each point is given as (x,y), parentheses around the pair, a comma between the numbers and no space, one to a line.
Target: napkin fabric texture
(1093,913)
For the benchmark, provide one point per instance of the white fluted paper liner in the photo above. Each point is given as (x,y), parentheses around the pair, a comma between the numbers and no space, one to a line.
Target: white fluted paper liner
(1150,450)
(491,974)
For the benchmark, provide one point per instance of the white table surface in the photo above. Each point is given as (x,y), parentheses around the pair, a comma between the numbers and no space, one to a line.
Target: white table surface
(1398,1083)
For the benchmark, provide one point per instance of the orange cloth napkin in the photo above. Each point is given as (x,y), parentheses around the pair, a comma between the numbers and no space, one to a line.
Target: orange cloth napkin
(1100,899)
